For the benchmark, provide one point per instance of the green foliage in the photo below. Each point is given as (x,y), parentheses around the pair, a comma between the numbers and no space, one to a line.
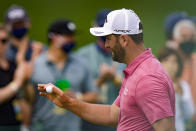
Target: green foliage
(82,12)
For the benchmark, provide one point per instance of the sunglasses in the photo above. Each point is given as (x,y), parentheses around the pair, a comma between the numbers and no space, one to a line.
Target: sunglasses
(4,40)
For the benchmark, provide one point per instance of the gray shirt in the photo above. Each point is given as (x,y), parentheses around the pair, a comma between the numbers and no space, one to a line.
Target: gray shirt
(95,58)
(47,116)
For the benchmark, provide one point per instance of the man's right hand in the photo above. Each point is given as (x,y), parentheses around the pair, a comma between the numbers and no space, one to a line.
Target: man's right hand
(95,113)
(57,96)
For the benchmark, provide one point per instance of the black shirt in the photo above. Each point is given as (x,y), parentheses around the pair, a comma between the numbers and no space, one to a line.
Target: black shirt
(7,114)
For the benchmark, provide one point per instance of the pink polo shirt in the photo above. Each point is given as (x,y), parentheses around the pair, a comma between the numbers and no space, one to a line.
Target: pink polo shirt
(146,95)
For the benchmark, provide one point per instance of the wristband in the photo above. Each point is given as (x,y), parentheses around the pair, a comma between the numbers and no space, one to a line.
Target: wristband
(14,86)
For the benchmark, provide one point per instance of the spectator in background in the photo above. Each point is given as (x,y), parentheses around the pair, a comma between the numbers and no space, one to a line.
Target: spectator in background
(172,63)
(183,40)
(12,78)
(184,37)
(106,73)
(22,49)
(59,66)
(169,24)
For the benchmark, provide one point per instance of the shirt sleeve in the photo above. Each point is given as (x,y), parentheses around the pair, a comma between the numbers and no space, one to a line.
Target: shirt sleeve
(153,98)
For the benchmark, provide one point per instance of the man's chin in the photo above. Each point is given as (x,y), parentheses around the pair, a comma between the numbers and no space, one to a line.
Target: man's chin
(116,59)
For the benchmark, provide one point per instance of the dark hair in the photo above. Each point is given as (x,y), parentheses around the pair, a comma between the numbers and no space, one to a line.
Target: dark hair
(165,53)
(138,38)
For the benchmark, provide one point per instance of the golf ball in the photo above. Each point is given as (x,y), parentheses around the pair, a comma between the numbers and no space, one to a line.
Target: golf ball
(49,89)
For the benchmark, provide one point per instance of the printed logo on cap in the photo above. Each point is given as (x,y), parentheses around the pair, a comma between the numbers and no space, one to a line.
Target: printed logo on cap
(16,14)
(71,26)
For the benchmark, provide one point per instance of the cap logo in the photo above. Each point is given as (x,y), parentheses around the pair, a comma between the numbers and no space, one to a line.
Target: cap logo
(16,14)
(124,31)
(96,32)
(71,26)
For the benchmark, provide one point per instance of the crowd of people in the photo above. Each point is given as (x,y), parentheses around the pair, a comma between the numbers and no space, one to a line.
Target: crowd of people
(88,74)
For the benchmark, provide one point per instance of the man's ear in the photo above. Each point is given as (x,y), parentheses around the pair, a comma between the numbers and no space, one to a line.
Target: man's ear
(124,40)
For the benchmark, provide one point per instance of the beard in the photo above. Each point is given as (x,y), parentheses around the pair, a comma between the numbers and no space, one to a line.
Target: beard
(118,53)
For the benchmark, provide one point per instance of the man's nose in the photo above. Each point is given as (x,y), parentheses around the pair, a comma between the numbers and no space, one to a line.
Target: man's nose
(106,44)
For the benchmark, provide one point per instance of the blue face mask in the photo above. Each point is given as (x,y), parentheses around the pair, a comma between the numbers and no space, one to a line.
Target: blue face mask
(19,32)
(67,47)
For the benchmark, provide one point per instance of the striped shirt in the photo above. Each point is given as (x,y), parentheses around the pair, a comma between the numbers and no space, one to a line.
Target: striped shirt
(147,94)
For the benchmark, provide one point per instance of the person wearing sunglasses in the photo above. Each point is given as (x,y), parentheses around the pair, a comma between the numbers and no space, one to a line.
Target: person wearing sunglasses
(11,81)
(22,49)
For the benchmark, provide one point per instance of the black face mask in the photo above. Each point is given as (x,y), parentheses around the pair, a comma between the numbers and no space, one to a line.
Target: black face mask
(67,47)
(19,32)
(187,47)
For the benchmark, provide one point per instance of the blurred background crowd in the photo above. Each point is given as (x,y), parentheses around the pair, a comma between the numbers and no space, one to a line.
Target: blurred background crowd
(49,42)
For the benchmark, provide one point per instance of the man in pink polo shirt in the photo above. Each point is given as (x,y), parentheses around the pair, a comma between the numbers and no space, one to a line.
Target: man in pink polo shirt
(146,101)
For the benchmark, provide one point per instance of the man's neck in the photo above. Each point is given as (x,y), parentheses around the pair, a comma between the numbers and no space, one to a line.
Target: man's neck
(132,53)
(56,56)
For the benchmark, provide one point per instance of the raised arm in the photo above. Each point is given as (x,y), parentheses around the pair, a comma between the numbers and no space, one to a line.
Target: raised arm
(11,89)
(95,113)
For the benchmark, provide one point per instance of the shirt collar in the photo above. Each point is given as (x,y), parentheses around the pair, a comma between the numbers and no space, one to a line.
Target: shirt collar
(49,62)
(137,61)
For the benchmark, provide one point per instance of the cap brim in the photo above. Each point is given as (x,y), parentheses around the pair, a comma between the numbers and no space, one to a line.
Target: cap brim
(17,20)
(99,31)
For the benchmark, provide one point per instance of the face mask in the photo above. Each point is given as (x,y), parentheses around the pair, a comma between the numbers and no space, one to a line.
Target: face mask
(19,33)
(187,47)
(103,38)
(67,47)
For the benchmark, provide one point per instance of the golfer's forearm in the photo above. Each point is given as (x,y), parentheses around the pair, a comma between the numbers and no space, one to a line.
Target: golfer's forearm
(89,97)
(94,113)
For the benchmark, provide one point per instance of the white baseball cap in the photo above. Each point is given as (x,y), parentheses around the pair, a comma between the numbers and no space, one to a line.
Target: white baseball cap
(122,21)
